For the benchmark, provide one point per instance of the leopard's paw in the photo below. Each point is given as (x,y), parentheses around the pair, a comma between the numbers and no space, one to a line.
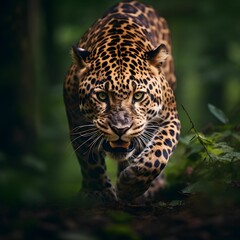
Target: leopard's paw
(89,197)
(132,183)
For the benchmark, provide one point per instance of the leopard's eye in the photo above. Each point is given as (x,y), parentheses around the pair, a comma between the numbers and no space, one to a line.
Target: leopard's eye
(138,96)
(102,96)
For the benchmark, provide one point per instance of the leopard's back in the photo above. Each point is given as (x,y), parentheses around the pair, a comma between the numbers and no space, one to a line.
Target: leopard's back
(123,16)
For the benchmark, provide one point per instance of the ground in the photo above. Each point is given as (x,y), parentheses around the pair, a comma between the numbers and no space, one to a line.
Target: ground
(190,218)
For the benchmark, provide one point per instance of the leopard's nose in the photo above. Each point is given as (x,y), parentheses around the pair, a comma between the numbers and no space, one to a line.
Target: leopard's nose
(119,131)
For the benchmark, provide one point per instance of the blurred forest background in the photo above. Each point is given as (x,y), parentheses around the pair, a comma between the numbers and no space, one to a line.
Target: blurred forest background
(37,163)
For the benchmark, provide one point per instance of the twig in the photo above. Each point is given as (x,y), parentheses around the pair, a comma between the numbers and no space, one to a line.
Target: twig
(197,134)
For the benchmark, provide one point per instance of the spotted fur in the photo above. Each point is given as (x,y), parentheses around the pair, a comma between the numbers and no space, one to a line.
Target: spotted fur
(119,101)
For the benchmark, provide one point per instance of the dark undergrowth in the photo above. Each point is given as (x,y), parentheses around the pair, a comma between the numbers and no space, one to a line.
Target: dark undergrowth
(194,218)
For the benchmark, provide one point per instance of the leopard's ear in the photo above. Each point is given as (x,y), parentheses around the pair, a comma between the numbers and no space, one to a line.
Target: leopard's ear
(80,56)
(157,56)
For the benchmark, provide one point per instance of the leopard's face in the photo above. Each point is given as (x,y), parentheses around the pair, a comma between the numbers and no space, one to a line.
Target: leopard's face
(122,108)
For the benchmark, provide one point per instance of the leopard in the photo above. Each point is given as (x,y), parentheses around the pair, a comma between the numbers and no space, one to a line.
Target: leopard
(120,103)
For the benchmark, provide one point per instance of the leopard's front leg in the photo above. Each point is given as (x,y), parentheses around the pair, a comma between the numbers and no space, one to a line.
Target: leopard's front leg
(96,185)
(135,179)
(86,141)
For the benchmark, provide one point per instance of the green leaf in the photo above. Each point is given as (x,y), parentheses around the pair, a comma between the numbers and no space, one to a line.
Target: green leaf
(204,139)
(218,113)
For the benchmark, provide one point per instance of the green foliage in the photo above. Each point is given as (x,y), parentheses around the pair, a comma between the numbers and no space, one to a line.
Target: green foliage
(210,160)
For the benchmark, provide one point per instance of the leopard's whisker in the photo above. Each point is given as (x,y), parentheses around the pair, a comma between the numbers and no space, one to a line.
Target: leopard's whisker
(83,126)
(89,139)
(91,146)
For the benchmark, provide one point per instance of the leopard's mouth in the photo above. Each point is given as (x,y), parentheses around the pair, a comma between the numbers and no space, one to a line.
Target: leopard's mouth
(118,146)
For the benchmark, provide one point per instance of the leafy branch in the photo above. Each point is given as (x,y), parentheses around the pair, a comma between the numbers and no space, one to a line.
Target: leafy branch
(197,135)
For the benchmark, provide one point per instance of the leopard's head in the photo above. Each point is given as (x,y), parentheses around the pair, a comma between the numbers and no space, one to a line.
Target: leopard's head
(121,100)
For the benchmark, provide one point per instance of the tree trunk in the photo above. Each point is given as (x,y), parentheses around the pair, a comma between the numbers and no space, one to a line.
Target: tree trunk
(18,92)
